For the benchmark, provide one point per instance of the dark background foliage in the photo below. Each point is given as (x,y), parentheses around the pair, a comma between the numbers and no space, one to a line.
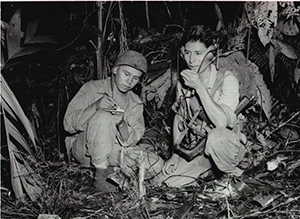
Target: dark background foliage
(44,83)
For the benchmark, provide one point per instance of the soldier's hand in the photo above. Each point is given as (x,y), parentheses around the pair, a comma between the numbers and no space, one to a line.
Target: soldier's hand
(171,164)
(191,78)
(106,102)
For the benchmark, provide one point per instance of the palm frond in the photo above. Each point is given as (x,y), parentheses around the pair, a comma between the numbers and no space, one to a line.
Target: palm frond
(12,105)
(24,180)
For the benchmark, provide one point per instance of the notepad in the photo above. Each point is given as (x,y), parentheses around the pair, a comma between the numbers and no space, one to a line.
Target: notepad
(116,111)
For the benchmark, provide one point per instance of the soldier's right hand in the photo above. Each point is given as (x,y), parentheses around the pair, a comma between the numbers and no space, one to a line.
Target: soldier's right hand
(106,102)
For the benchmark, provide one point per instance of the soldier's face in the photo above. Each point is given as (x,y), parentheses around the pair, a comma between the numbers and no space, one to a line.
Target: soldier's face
(193,53)
(126,77)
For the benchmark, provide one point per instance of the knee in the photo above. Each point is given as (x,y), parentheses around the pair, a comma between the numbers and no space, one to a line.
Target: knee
(100,124)
(217,136)
(224,148)
(101,117)
(217,140)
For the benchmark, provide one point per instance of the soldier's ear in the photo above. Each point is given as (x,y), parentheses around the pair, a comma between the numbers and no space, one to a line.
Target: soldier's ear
(182,51)
(115,69)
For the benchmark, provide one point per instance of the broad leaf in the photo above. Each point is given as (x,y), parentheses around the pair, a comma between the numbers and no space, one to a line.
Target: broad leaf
(284,48)
(290,10)
(297,75)
(274,163)
(290,28)
(157,89)
(252,12)
(263,94)
(25,51)
(19,57)
(41,40)
(14,33)
(263,16)
(237,42)
(220,25)
(272,57)
(267,21)
(250,79)
(31,30)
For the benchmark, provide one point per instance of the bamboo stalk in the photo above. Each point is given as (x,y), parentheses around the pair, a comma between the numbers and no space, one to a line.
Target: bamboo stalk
(122,158)
(99,45)
(123,31)
(147,14)
(142,189)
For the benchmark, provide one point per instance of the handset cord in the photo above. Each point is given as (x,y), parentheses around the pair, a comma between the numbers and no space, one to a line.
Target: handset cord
(207,63)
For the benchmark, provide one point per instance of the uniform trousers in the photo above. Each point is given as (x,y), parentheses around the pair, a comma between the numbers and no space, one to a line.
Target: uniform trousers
(223,148)
(98,145)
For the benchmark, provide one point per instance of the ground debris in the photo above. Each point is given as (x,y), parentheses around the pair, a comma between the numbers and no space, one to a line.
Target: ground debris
(268,188)
(71,195)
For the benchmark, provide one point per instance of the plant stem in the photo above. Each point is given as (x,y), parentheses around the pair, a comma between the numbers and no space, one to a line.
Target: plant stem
(99,46)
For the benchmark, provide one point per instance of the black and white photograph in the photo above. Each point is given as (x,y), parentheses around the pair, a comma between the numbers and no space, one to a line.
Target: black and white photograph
(150,109)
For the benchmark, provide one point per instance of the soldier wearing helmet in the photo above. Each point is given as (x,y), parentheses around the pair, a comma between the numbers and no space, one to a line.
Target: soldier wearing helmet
(106,116)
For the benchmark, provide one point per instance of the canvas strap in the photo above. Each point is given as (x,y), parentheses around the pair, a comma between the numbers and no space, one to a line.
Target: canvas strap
(217,84)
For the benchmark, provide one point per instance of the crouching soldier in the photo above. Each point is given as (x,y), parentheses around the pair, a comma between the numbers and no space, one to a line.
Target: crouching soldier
(203,88)
(105,117)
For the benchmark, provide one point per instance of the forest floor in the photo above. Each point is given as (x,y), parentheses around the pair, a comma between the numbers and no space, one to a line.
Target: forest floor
(70,194)
(268,188)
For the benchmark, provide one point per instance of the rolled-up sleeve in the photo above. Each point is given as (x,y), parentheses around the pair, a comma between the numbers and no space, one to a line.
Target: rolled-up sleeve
(136,125)
(75,109)
(229,98)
